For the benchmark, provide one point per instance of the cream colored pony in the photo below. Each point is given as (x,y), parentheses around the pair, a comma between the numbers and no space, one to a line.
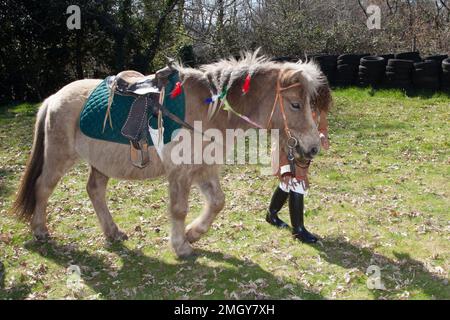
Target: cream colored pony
(59,144)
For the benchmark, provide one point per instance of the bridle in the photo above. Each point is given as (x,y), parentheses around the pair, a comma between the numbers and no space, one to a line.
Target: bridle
(279,101)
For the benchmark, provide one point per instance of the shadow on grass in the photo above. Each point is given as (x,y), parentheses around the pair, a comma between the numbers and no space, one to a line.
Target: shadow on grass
(16,292)
(19,292)
(145,277)
(405,273)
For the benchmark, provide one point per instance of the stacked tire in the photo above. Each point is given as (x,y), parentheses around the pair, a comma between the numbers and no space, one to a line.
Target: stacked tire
(426,75)
(438,58)
(328,65)
(371,71)
(398,73)
(386,57)
(414,56)
(347,69)
(445,79)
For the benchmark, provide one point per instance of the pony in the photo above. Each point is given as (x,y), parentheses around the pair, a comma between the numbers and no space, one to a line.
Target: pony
(281,92)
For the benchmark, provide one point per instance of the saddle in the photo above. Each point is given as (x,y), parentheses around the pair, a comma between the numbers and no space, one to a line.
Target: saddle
(147,91)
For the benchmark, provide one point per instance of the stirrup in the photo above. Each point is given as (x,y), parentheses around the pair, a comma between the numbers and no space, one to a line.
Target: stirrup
(139,154)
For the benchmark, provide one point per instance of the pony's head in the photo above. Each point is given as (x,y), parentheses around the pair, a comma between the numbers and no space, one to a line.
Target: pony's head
(297,86)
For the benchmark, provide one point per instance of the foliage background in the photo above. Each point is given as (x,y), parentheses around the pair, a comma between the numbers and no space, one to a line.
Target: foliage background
(38,54)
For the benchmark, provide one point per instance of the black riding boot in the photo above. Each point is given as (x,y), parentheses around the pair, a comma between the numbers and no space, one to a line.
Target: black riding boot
(278,200)
(296,212)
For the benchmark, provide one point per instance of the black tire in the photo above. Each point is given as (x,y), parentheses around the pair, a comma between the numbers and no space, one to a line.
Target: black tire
(345,66)
(446,64)
(438,57)
(369,61)
(370,73)
(401,84)
(326,58)
(349,58)
(342,83)
(396,76)
(414,56)
(390,69)
(445,81)
(386,56)
(420,78)
(427,85)
(434,70)
(400,63)
(427,74)
(427,64)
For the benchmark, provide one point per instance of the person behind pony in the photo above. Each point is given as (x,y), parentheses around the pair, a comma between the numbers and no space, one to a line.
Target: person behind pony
(295,186)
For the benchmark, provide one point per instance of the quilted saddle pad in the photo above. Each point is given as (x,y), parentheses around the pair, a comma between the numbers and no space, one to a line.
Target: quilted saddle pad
(94,111)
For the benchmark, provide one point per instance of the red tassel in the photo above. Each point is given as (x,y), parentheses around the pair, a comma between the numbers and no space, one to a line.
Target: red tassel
(246,86)
(176,91)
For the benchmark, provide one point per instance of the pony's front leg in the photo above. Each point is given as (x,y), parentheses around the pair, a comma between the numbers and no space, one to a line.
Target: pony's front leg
(215,201)
(179,188)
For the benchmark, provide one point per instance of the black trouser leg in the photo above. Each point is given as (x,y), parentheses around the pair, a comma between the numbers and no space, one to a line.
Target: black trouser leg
(296,213)
(278,200)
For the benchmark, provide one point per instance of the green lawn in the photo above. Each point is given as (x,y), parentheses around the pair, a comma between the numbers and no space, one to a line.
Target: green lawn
(379,196)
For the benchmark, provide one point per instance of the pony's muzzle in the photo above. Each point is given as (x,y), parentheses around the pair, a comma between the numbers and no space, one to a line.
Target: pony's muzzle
(308,152)
(312,152)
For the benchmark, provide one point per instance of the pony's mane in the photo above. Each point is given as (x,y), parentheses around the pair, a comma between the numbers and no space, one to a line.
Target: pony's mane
(222,74)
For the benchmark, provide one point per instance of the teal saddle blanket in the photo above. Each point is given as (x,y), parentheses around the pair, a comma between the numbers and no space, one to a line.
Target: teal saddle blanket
(94,111)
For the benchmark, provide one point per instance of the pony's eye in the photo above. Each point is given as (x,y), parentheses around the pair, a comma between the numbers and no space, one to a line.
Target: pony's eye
(295,105)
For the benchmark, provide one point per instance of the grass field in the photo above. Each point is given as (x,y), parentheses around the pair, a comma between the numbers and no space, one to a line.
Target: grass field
(379,197)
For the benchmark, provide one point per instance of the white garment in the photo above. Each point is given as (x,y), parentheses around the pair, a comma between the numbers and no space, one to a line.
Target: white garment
(294,185)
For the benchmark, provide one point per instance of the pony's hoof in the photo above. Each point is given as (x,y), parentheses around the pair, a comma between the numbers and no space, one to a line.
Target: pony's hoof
(41,236)
(117,236)
(184,251)
(192,235)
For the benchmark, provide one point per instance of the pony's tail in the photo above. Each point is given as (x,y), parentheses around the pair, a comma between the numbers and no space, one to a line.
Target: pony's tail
(25,201)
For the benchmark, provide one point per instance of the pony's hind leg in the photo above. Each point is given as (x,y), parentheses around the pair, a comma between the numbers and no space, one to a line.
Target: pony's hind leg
(52,172)
(96,188)
(215,201)
(179,189)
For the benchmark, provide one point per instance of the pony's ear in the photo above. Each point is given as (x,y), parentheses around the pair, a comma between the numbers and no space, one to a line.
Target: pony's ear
(162,76)
(291,77)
